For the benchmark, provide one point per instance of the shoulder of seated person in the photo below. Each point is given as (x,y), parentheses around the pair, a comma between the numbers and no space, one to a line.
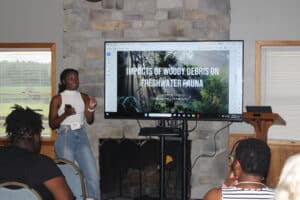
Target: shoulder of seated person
(43,158)
(213,194)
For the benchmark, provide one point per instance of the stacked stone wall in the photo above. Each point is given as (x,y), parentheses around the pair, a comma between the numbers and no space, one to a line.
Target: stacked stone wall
(87,25)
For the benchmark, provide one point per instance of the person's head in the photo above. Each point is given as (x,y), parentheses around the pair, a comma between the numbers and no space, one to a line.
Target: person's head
(68,80)
(24,127)
(289,181)
(253,156)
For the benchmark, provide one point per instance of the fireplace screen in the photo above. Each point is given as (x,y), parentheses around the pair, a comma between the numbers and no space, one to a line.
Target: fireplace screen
(130,168)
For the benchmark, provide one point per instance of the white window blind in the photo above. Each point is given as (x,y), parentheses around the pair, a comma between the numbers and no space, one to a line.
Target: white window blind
(280,88)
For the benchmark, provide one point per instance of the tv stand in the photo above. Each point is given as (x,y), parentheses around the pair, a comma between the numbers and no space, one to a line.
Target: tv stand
(162,132)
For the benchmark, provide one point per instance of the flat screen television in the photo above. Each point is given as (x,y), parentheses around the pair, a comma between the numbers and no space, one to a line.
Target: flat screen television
(194,80)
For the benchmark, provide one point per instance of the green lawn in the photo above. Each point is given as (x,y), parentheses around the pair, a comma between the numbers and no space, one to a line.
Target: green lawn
(24,96)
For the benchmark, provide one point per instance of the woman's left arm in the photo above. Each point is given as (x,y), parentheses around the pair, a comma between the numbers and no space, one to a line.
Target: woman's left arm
(90,105)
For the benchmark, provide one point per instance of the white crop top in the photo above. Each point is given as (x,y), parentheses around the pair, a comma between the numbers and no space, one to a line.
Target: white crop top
(73,98)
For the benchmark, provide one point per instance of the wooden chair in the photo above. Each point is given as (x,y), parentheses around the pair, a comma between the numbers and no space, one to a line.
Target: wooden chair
(74,177)
(13,190)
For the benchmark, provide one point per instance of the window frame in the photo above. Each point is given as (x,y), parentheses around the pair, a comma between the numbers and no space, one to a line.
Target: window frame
(258,62)
(28,46)
(288,133)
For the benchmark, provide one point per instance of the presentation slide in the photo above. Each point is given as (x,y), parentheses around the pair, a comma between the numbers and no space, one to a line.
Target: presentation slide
(178,80)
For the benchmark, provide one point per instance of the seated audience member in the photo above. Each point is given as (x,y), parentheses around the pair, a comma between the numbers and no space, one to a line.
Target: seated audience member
(288,186)
(249,169)
(21,160)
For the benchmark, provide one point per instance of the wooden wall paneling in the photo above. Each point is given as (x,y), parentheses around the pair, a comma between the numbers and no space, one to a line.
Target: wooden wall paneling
(48,149)
(281,150)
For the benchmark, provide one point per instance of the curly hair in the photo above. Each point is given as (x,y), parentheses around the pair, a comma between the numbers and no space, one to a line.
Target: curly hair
(63,75)
(254,156)
(289,181)
(22,123)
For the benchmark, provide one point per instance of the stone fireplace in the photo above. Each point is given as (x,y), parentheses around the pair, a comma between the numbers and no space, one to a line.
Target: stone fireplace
(130,168)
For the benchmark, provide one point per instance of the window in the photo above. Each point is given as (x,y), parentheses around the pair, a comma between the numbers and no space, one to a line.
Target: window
(278,85)
(27,78)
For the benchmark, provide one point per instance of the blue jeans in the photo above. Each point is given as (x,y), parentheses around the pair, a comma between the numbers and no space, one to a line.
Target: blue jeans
(74,145)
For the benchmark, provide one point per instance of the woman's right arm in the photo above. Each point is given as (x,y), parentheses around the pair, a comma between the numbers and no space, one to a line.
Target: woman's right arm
(54,119)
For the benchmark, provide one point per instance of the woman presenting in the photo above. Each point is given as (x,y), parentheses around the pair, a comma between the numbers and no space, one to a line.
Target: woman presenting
(69,110)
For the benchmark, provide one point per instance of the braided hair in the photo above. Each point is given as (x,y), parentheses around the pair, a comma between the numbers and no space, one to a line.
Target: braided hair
(63,75)
(254,156)
(23,123)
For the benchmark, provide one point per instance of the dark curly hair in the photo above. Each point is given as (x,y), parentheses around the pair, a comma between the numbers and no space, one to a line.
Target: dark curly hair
(63,75)
(22,123)
(254,156)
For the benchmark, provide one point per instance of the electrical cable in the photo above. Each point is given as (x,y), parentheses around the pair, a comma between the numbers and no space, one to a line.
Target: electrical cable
(138,121)
(215,146)
(194,128)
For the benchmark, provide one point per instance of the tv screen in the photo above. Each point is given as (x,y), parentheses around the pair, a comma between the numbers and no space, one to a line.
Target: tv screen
(194,80)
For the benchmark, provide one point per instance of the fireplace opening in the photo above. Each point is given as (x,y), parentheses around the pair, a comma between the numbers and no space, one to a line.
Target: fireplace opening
(130,168)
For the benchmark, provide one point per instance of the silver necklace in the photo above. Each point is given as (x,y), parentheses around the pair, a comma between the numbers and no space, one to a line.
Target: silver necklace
(251,182)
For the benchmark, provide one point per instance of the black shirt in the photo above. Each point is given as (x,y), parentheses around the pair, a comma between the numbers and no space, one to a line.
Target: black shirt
(33,169)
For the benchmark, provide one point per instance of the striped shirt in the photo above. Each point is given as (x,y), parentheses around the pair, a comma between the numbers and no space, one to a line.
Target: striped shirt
(235,193)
